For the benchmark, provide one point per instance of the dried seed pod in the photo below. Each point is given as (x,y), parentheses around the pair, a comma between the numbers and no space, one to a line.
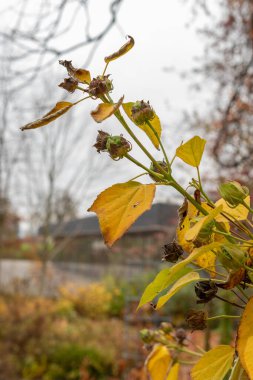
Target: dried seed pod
(196,319)
(118,147)
(100,85)
(205,291)
(156,170)
(172,252)
(142,112)
(101,141)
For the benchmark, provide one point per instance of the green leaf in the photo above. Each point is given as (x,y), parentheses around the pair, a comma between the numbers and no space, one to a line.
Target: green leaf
(191,152)
(155,122)
(214,364)
(163,279)
(169,275)
(182,282)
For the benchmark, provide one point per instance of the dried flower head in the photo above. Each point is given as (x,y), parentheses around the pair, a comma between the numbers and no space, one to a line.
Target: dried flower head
(101,141)
(156,170)
(118,146)
(142,112)
(196,319)
(100,85)
(172,252)
(205,291)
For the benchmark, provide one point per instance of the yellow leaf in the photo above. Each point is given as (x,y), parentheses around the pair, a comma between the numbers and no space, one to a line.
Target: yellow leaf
(81,75)
(119,206)
(174,372)
(191,152)
(155,122)
(207,261)
(245,339)
(239,212)
(181,232)
(185,225)
(59,109)
(105,110)
(214,364)
(203,224)
(158,362)
(238,372)
(183,281)
(123,50)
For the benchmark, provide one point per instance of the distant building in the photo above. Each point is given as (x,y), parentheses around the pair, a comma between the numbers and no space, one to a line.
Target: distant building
(81,240)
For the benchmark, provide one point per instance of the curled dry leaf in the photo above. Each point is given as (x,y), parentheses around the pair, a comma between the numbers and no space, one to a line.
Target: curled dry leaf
(123,50)
(119,206)
(69,84)
(80,75)
(105,110)
(59,109)
(234,279)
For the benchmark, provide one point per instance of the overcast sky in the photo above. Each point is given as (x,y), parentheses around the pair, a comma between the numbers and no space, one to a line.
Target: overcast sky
(162,41)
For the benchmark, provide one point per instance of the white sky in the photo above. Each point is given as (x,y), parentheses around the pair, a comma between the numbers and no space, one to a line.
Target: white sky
(161,40)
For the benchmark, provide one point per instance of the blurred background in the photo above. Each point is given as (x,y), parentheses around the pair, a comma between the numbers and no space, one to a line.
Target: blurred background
(67,302)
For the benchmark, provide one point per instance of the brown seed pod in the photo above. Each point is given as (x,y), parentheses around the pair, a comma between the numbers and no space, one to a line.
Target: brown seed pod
(172,252)
(196,319)
(142,112)
(205,291)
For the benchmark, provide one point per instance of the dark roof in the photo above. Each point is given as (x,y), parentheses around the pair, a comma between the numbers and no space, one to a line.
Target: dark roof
(158,218)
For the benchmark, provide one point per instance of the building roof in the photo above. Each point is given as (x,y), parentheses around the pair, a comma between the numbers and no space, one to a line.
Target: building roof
(157,219)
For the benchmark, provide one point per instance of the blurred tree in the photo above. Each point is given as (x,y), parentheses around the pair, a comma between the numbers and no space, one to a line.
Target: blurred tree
(36,33)
(227,68)
(64,207)
(36,171)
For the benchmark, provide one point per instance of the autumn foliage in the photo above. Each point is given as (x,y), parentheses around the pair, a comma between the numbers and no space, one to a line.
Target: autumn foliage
(214,237)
